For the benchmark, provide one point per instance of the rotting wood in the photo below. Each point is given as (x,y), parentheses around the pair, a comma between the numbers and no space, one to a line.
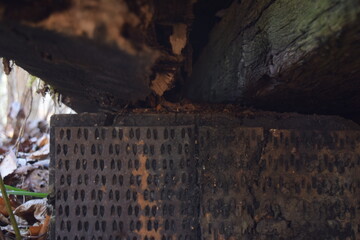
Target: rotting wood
(270,54)
(100,55)
(283,55)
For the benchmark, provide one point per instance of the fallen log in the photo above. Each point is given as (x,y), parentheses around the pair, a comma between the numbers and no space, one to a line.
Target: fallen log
(283,55)
(100,55)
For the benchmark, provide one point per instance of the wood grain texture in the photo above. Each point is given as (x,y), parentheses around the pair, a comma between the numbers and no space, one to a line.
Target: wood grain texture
(283,55)
(100,55)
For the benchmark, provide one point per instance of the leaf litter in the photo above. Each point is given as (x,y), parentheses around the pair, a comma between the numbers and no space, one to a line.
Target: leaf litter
(24,166)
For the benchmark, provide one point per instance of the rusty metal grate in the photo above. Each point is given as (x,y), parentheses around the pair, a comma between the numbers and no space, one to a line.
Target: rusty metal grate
(126,183)
(273,184)
(169,178)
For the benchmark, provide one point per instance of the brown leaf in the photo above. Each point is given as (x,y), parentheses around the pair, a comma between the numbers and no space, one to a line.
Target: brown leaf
(35,230)
(4,220)
(44,227)
(25,170)
(25,145)
(41,142)
(3,209)
(42,153)
(32,211)
(9,164)
(37,181)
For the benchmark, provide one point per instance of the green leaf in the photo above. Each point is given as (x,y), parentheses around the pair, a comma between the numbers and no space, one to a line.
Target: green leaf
(26,193)
(18,191)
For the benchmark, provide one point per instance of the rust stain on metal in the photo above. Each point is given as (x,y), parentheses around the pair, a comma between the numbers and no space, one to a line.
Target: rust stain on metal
(143,232)
(204,182)
(130,182)
(267,179)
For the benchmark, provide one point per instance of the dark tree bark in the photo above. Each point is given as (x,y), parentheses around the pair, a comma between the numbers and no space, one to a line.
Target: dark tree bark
(283,55)
(272,54)
(100,55)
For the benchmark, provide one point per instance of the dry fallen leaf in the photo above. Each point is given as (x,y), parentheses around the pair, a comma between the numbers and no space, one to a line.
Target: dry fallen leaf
(22,223)
(37,181)
(32,210)
(36,128)
(3,149)
(43,163)
(25,170)
(3,209)
(8,164)
(15,110)
(9,228)
(4,219)
(42,153)
(25,145)
(35,230)
(44,227)
(42,141)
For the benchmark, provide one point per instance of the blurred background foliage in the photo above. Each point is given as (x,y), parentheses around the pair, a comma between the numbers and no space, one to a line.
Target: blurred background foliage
(23,96)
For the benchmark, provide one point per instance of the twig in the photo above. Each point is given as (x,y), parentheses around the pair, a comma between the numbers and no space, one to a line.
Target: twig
(8,208)
(22,129)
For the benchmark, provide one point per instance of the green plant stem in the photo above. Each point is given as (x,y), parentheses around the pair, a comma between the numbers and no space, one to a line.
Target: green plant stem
(24,193)
(8,187)
(17,191)
(8,208)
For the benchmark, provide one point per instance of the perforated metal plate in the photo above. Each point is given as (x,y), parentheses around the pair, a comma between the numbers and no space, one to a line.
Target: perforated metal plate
(280,184)
(230,159)
(201,178)
(126,183)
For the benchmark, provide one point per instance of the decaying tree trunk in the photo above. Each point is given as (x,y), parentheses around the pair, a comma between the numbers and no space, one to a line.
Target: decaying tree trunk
(100,55)
(240,178)
(273,54)
(283,55)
